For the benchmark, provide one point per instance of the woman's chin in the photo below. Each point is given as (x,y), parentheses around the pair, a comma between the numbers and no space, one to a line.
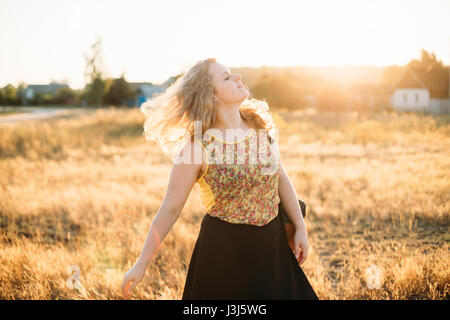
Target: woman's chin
(243,98)
(245,94)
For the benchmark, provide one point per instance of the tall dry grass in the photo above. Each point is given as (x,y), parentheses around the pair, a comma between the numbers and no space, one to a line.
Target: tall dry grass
(83,192)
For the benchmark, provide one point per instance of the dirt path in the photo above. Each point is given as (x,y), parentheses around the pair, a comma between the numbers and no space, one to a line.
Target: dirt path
(42,113)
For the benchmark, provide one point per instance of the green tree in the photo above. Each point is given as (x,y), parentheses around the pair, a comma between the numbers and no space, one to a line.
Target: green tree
(65,95)
(8,95)
(95,92)
(20,93)
(118,92)
(431,70)
(95,87)
(42,99)
(428,68)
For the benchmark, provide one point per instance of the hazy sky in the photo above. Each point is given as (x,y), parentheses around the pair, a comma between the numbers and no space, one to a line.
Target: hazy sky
(152,40)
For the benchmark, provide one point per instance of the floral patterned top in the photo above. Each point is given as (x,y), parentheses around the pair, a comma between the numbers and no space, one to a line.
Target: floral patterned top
(240,183)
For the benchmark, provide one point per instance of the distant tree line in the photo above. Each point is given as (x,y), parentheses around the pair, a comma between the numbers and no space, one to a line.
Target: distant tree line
(100,92)
(97,92)
(299,91)
(289,90)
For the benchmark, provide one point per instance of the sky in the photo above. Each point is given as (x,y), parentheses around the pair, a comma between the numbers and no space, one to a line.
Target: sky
(150,41)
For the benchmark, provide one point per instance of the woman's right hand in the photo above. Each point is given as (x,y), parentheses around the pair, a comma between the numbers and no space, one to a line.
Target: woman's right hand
(132,278)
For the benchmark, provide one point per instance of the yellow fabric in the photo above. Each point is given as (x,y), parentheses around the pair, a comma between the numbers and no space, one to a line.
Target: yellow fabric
(206,194)
(207,159)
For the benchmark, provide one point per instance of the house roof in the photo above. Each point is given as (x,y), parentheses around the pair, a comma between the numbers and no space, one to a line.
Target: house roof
(146,88)
(136,85)
(409,79)
(46,88)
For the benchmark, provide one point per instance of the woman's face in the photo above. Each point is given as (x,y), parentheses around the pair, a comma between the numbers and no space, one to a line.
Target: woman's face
(228,86)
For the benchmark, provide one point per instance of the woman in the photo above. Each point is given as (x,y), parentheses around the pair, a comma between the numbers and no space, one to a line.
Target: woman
(241,251)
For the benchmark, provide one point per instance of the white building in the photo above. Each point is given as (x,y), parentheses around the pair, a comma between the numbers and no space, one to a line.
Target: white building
(411,93)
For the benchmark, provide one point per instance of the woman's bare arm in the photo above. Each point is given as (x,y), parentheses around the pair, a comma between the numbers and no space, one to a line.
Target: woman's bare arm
(288,196)
(182,179)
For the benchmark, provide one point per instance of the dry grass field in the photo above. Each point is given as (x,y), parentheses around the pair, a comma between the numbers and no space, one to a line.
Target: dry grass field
(83,192)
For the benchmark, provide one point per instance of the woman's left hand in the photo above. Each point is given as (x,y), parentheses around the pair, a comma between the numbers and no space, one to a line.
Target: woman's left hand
(301,245)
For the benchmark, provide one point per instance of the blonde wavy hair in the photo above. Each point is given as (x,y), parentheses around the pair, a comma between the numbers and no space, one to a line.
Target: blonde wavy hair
(170,115)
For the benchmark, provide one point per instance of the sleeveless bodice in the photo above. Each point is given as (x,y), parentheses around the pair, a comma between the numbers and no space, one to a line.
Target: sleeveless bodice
(238,185)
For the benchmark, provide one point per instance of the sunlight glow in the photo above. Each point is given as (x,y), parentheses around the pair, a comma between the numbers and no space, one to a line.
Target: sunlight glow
(153,40)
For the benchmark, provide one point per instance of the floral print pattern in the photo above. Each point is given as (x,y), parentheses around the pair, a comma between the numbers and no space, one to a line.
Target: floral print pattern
(245,190)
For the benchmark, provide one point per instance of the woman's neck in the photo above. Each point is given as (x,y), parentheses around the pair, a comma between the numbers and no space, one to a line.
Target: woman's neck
(229,119)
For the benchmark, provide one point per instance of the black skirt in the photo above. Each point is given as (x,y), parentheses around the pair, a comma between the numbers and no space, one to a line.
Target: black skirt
(242,261)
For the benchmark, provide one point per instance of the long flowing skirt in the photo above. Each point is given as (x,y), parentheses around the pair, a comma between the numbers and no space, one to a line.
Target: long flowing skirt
(242,261)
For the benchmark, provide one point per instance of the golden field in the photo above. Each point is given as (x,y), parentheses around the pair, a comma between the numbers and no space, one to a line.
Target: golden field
(83,191)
